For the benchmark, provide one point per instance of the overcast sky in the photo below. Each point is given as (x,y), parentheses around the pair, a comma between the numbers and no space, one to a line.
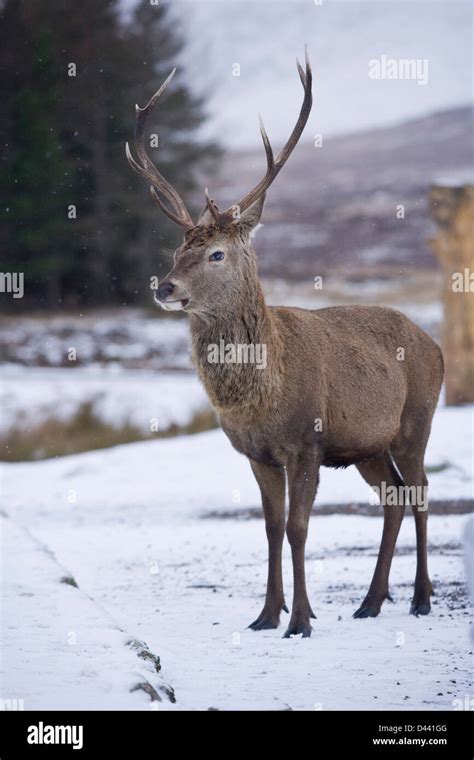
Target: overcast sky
(265,36)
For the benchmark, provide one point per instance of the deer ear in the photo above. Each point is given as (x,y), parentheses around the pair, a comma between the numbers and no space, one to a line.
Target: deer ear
(250,218)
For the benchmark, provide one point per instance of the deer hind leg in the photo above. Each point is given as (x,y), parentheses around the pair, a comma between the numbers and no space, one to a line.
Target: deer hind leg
(409,453)
(376,472)
(271,481)
(303,479)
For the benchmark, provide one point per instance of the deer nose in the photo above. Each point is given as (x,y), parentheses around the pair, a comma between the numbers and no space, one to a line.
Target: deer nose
(165,290)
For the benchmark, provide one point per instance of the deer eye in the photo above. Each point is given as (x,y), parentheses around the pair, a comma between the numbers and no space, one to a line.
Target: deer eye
(217,256)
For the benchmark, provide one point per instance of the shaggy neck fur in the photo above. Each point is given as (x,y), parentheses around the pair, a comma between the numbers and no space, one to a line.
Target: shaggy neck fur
(245,320)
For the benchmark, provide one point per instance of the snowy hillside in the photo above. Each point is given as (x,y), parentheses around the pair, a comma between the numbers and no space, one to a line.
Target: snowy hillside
(264,38)
(334,207)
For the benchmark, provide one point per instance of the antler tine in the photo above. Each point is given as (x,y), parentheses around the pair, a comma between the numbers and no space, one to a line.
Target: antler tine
(148,170)
(170,214)
(275,165)
(266,144)
(213,207)
(304,74)
(142,115)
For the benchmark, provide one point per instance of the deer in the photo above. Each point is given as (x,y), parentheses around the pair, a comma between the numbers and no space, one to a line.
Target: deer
(334,390)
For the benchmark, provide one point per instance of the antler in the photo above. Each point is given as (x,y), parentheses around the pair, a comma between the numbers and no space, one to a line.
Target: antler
(148,170)
(273,165)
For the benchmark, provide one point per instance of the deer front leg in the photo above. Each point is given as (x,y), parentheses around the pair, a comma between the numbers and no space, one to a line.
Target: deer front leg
(303,479)
(271,481)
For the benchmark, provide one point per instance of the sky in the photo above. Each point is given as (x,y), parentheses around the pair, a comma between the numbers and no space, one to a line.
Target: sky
(263,37)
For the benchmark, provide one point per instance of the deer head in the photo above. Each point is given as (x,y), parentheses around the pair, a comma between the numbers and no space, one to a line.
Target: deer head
(215,261)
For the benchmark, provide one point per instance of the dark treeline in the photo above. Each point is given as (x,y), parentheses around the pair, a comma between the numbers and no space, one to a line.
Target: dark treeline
(63,139)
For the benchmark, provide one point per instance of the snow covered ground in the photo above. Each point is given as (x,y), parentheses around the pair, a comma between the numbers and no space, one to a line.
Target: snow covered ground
(134,340)
(131,525)
(30,395)
(74,653)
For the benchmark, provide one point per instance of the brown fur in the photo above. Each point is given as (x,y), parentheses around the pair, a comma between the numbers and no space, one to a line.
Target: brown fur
(335,390)
(339,365)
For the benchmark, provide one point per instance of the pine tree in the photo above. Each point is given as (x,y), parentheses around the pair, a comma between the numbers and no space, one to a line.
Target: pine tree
(34,168)
(70,75)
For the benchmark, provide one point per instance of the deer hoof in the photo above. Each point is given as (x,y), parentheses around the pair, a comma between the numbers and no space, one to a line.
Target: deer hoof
(420,608)
(296,628)
(268,618)
(366,611)
(264,624)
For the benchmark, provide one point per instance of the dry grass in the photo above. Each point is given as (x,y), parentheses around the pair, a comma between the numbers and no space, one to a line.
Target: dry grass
(85,431)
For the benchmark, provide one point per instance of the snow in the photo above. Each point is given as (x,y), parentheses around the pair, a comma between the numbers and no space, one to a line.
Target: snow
(118,396)
(134,340)
(455,179)
(64,650)
(131,524)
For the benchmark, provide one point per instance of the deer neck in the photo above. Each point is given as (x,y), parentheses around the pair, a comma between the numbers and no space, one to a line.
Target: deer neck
(238,354)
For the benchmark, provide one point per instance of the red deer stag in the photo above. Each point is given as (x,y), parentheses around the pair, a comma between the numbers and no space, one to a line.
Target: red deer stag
(339,386)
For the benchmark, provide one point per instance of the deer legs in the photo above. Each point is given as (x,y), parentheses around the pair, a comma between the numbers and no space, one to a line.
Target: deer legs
(376,472)
(303,479)
(271,481)
(411,468)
